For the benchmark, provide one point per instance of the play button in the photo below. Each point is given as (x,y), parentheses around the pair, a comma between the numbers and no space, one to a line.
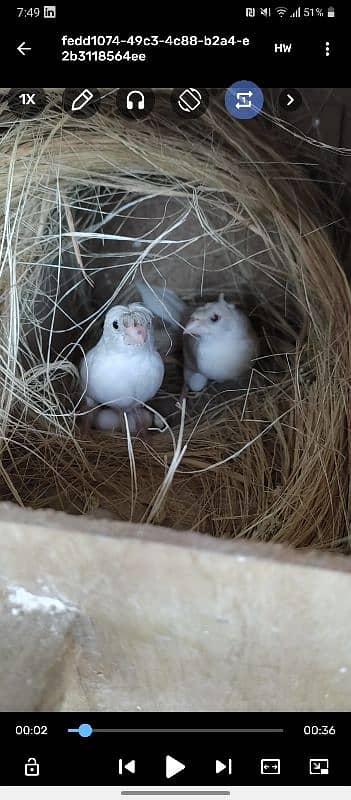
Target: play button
(173,766)
(290,99)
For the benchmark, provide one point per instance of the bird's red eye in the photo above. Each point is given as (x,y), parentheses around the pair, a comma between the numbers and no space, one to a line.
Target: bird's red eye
(115,324)
(215,317)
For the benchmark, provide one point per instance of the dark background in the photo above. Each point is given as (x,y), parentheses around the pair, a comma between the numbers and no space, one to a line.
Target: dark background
(66,758)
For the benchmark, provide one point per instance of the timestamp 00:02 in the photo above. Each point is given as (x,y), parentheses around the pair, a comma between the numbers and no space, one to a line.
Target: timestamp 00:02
(31,730)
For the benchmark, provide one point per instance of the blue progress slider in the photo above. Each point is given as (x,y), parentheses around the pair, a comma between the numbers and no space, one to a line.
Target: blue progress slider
(84,730)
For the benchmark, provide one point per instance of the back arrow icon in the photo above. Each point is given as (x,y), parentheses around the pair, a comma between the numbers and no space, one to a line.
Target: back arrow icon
(22,48)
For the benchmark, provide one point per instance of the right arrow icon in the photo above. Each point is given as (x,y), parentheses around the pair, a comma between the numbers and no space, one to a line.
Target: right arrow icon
(290,99)
(173,766)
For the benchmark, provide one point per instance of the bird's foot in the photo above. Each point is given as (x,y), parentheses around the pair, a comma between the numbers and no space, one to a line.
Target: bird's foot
(85,418)
(196,381)
(183,396)
(107,419)
(139,421)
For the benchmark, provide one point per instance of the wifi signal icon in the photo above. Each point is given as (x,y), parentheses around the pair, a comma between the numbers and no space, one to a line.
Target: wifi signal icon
(281,11)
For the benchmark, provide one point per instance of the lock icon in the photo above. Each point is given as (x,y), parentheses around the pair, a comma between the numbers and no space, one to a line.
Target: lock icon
(31,767)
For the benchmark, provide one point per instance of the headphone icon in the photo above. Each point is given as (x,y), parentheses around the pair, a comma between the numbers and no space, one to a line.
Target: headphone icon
(131,100)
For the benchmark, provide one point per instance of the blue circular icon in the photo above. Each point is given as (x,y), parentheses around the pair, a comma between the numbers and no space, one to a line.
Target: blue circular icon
(244,100)
(85,730)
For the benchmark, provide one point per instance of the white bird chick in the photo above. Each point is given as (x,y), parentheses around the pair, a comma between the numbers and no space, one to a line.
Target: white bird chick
(124,369)
(219,344)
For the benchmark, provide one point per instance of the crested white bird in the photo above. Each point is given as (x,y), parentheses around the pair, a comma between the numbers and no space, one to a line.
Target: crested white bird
(123,370)
(219,342)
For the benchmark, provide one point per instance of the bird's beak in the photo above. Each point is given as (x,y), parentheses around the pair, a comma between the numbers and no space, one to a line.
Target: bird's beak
(193,326)
(136,333)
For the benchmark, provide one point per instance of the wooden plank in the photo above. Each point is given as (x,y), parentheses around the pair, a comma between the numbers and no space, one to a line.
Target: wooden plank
(171,621)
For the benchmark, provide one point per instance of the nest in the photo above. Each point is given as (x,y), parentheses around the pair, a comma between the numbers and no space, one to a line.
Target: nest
(202,206)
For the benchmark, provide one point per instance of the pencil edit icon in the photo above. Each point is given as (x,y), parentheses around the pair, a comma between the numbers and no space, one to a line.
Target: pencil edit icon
(81,103)
(82,100)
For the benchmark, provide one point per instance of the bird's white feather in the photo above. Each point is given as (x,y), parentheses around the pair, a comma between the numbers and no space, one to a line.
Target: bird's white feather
(163,303)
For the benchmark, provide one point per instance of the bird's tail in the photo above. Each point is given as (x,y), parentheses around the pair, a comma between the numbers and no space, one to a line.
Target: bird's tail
(162,302)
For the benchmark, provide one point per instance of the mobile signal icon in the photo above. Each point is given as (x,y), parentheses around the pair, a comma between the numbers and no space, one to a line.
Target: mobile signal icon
(281,11)
(296,13)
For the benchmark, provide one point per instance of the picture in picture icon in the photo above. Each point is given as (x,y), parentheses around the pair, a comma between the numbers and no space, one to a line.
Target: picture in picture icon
(319,766)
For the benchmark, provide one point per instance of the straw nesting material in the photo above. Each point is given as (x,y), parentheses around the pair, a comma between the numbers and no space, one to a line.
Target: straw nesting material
(208,205)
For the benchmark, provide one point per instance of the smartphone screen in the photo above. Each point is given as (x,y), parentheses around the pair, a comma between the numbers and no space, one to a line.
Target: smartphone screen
(175,390)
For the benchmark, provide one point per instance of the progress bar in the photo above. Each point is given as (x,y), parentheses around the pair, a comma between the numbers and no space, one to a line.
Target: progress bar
(86,730)
(188,730)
